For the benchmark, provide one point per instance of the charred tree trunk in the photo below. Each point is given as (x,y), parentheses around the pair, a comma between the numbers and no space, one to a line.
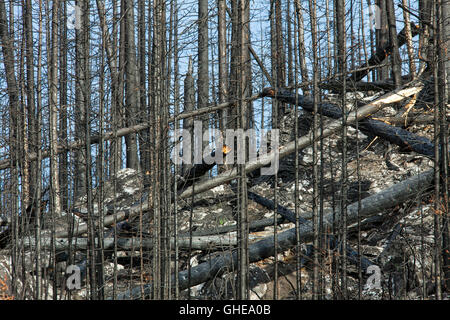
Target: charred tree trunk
(132,90)
(203,63)
(63,159)
(396,61)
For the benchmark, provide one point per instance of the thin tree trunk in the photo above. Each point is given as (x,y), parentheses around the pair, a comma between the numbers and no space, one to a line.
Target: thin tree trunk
(63,94)
(111,50)
(82,93)
(382,36)
(302,52)
(53,88)
(442,13)
(132,91)
(8,61)
(424,38)
(144,142)
(315,204)
(243,123)
(203,61)
(342,69)
(39,158)
(396,61)
(409,44)
(31,108)
(223,66)
(188,123)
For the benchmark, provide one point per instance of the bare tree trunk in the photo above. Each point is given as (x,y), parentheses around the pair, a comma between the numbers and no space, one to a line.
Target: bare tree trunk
(234,62)
(31,109)
(223,66)
(437,231)
(446,41)
(189,102)
(443,33)
(342,69)
(382,36)
(409,44)
(244,124)
(63,94)
(424,38)
(203,61)
(396,61)
(144,142)
(82,93)
(39,158)
(315,206)
(111,50)
(53,88)
(278,51)
(301,45)
(132,92)
(117,106)
(8,61)
(159,104)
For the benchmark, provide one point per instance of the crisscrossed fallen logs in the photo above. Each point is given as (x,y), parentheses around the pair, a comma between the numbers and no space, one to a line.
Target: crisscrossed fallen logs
(200,242)
(264,160)
(262,249)
(305,141)
(396,135)
(265,248)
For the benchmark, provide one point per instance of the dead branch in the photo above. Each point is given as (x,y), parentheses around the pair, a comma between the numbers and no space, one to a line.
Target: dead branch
(383,85)
(382,53)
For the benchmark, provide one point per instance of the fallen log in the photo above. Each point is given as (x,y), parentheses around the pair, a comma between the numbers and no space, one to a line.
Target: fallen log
(332,243)
(398,136)
(198,243)
(114,216)
(253,225)
(409,119)
(265,248)
(383,85)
